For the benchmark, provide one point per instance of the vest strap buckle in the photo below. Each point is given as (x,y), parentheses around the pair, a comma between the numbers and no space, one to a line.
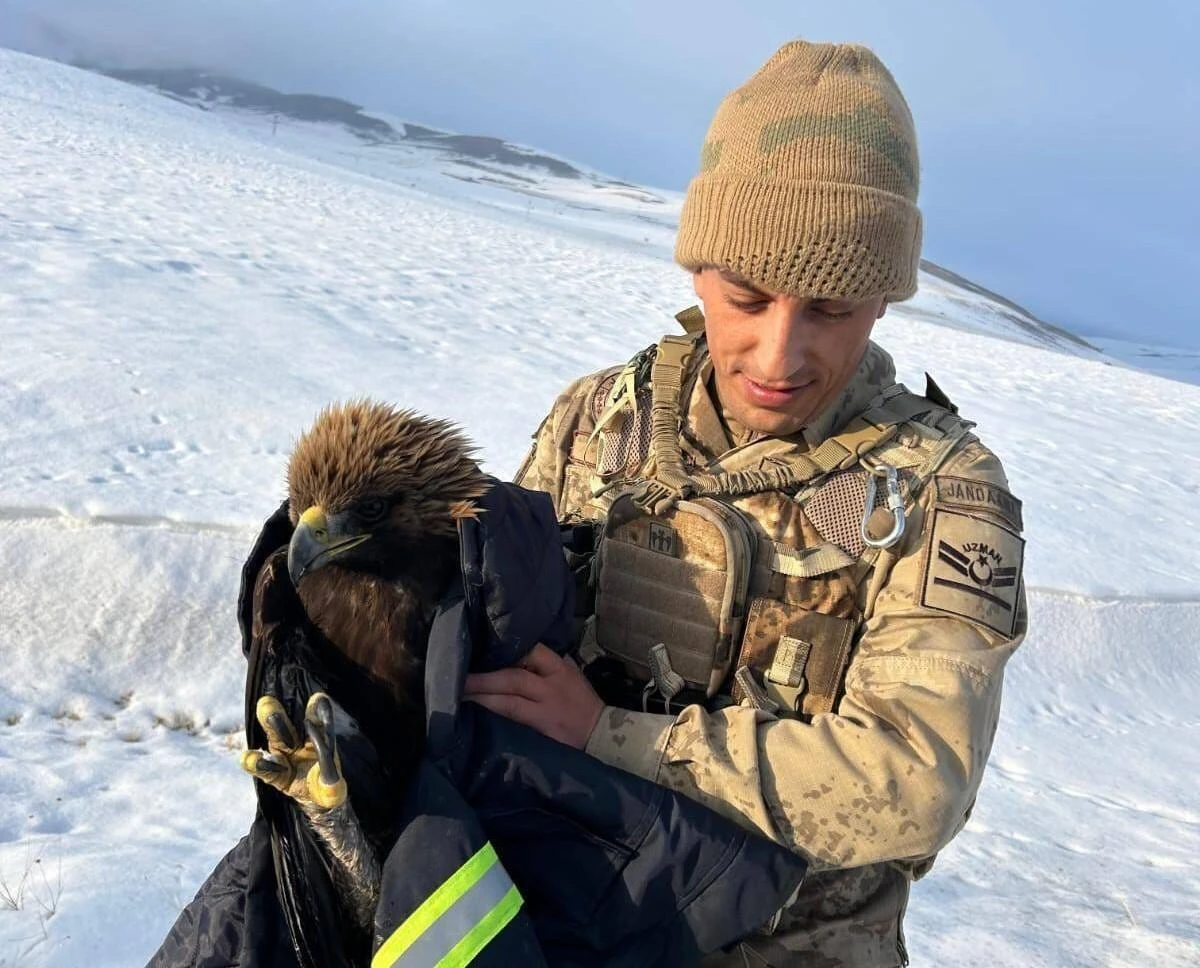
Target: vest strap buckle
(663,679)
(755,694)
(653,497)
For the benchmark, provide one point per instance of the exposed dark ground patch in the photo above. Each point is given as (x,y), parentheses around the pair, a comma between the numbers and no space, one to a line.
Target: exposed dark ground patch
(201,88)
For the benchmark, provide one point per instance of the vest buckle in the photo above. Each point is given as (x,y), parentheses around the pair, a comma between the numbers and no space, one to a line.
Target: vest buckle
(663,679)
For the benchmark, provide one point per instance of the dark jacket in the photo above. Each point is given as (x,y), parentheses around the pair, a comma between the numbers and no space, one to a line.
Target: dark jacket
(610,869)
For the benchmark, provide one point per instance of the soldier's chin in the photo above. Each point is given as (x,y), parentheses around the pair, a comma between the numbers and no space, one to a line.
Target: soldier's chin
(774,423)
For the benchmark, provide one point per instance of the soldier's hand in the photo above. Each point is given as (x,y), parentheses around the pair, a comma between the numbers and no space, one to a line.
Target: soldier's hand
(546,692)
(309,773)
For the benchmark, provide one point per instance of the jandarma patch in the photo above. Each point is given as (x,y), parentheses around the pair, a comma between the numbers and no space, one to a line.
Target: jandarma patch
(965,493)
(973,570)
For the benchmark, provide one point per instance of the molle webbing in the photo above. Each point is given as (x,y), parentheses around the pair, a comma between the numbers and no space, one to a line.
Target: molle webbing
(620,403)
(808,562)
(681,579)
(673,578)
(670,481)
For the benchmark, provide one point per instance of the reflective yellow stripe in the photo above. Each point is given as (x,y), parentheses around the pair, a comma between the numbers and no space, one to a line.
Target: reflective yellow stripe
(481,935)
(467,941)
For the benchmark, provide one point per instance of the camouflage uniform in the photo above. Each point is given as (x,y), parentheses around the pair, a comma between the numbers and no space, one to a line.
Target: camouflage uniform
(870,791)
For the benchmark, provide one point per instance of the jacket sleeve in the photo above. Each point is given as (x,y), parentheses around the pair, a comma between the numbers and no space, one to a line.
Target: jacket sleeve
(891,775)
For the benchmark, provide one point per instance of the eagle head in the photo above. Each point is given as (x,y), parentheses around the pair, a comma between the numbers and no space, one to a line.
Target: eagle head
(379,491)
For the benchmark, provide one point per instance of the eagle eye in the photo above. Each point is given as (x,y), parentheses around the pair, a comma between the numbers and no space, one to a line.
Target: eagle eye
(372,510)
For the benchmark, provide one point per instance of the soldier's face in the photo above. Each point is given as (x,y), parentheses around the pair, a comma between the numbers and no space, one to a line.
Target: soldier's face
(780,360)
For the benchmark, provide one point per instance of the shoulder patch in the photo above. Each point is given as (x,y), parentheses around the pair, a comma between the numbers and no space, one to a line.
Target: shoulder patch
(965,493)
(973,569)
(599,398)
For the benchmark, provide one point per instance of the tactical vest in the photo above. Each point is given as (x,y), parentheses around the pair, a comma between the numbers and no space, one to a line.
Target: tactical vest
(739,582)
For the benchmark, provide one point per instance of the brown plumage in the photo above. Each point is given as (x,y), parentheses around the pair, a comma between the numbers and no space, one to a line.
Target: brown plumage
(364,449)
(375,495)
(405,480)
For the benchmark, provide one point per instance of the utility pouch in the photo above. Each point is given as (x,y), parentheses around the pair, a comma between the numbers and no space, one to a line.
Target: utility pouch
(671,591)
(792,659)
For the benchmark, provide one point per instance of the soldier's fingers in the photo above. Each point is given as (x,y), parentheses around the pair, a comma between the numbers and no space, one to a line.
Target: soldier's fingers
(506,682)
(281,734)
(516,708)
(542,661)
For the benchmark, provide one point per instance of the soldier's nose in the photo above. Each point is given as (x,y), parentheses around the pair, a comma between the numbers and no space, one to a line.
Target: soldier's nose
(782,345)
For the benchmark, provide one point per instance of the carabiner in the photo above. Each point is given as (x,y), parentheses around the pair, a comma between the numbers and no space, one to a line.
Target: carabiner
(895,504)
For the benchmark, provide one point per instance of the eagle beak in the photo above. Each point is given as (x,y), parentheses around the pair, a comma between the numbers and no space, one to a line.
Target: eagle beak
(315,543)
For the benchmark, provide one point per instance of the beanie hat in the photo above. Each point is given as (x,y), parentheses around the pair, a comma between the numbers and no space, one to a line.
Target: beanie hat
(808,180)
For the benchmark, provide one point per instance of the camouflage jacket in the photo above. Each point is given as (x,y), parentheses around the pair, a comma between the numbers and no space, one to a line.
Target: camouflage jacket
(871,791)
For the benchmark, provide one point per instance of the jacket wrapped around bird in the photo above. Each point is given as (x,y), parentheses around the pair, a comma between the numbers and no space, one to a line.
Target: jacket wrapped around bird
(498,846)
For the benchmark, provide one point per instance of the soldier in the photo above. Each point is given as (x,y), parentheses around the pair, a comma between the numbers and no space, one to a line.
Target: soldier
(808,579)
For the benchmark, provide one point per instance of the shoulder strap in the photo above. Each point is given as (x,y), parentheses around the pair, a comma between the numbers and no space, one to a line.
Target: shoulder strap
(671,482)
(934,412)
(666,384)
(691,319)
(621,399)
(667,367)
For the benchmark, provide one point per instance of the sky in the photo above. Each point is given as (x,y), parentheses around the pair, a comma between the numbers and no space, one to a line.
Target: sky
(1059,138)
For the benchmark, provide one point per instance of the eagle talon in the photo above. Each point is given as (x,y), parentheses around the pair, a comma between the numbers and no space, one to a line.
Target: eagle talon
(271,716)
(281,726)
(325,780)
(310,772)
(256,761)
(318,724)
(319,710)
(259,764)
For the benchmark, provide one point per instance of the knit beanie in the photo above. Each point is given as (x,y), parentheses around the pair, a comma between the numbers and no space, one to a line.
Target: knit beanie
(808,180)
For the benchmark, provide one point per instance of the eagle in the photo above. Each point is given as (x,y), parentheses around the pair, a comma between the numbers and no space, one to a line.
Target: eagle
(375,495)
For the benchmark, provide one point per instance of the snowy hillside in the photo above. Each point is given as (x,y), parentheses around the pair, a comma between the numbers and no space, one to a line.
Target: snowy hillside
(385,144)
(492,171)
(183,289)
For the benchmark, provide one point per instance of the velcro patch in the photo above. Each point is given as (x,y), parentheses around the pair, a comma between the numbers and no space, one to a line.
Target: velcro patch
(973,570)
(964,493)
(787,668)
(661,538)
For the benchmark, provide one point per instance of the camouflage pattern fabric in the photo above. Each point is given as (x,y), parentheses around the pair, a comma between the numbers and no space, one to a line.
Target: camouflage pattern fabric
(871,791)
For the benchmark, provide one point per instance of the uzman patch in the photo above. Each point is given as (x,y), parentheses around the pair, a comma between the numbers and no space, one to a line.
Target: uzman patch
(973,570)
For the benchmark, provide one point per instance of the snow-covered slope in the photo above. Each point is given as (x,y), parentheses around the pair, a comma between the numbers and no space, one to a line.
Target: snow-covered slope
(496,170)
(182,290)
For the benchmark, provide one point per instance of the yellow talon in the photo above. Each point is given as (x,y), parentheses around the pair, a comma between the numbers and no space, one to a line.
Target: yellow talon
(326,795)
(274,720)
(293,767)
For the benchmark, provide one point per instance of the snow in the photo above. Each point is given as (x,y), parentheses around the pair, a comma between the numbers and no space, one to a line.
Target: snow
(1175,362)
(182,291)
